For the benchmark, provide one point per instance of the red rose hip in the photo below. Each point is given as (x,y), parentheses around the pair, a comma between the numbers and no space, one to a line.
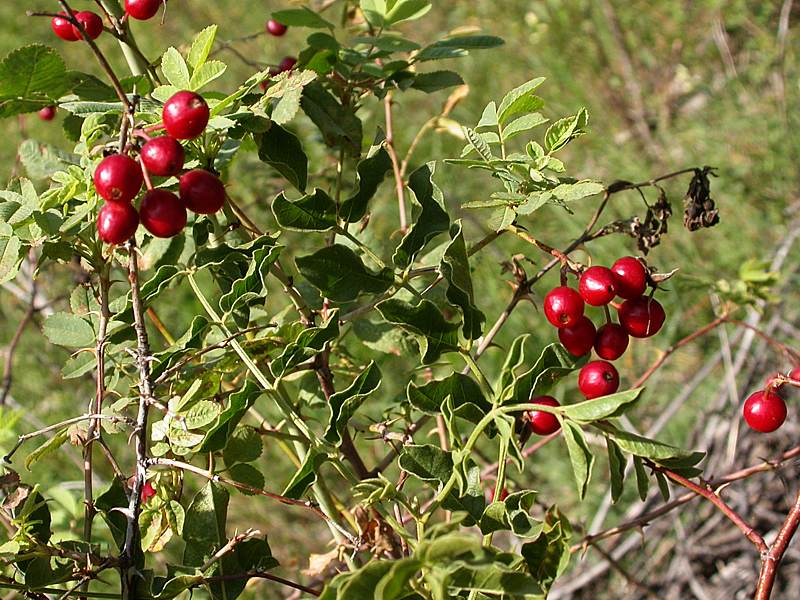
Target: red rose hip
(764,411)
(541,422)
(118,178)
(185,115)
(63,28)
(630,277)
(579,338)
(163,156)
(142,9)
(275,28)
(795,373)
(611,341)
(48,113)
(202,192)
(287,64)
(91,22)
(162,213)
(148,491)
(597,286)
(563,306)
(642,317)
(117,222)
(598,378)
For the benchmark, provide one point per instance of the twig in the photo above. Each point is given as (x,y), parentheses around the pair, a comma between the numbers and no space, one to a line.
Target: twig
(269,577)
(12,345)
(770,562)
(400,185)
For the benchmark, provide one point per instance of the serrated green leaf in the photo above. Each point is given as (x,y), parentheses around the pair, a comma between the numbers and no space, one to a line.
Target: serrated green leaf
(314,212)
(523,124)
(517,101)
(248,475)
(201,414)
(201,47)
(488,117)
(436,80)
(369,174)
(339,274)
(287,106)
(204,525)
(206,73)
(427,462)
(570,192)
(345,403)
(244,445)
(605,407)
(563,131)
(580,456)
(461,388)
(10,253)
(339,125)
(31,77)
(431,217)
(301,17)
(48,447)
(425,321)
(68,330)
(175,69)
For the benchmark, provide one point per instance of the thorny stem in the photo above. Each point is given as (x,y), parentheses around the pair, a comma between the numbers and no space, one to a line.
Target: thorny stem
(770,561)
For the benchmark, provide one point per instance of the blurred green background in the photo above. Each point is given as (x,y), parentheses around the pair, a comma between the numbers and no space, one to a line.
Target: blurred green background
(668,85)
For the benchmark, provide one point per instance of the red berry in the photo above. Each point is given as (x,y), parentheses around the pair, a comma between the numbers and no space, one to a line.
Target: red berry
(611,341)
(287,64)
(579,338)
(63,28)
(641,317)
(563,306)
(541,422)
(185,115)
(142,9)
(795,373)
(92,24)
(202,192)
(118,178)
(162,213)
(597,286)
(275,28)
(764,411)
(163,156)
(630,277)
(147,491)
(48,113)
(598,378)
(503,495)
(117,222)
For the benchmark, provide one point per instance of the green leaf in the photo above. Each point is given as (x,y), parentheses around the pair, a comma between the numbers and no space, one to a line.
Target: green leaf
(48,447)
(605,407)
(570,192)
(454,267)
(425,321)
(339,125)
(426,462)
(308,343)
(663,485)
(478,142)
(548,556)
(68,330)
(580,456)
(31,77)
(345,403)
(406,10)
(201,47)
(206,73)
(563,131)
(175,69)
(495,580)
(616,465)
(306,475)
(204,525)
(461,388)
(470,499)
(301,17)
(394,585)
(645,447)
(523,124)
(642,481)
(239,403)
(287,106)
(370,173)
(253,286)
(314,212)
(339,274)
(11,251)
(436,80)
(201,414)
(553,364)
(458,46)
(281,150)
(513,514)
(244,445)
(489,117)
(248,475)
(430,220)
(113,498)
(520,100)
(362,583)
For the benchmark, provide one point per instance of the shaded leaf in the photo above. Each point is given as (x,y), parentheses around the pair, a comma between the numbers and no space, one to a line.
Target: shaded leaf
(339,274)
(282,150)
(345,403)
(425,321)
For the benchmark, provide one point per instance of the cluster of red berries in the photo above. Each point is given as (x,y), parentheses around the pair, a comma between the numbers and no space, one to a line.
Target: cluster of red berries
(92,23)
(119,178)
(640,316)
(765,410)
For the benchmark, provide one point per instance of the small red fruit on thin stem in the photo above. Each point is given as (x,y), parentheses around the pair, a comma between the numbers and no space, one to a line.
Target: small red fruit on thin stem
(47,113)
(142,9)
(117,222)
(597,286)
(611,341)
(598,378)
(287,64)
(275,28)
(563,306)
(63,28)
(795,373)
(163,156)
(630,277)
(642,317)
(202,192)
(162,213)
(118,178)
(185,115)
(91,22)
(579,338)
(542,422)
(764,411)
